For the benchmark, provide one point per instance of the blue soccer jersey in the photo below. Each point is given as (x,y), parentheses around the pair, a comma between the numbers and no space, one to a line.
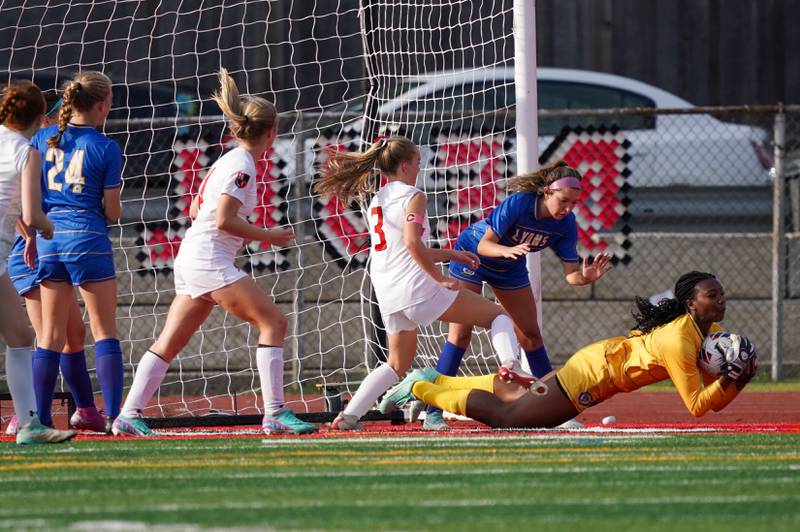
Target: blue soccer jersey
(514,222)
(74,177)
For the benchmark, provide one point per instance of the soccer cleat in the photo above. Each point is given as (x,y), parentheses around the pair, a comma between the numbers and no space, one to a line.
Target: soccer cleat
(285,422)
(434,421)
(415,410)
(400,394)
(34,432)
(571,424)
(13,425)
(345,422)
(88,419)
(511,372)
(130,426)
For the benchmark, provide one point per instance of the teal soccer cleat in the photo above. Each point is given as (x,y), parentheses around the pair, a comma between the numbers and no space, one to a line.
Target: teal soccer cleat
(285,422)
(130,426)
(401,394)
(34,432)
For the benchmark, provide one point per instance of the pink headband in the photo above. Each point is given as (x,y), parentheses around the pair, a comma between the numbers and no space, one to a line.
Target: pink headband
(565,182)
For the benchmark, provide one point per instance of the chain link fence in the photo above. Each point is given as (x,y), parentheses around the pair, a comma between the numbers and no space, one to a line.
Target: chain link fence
(689,190)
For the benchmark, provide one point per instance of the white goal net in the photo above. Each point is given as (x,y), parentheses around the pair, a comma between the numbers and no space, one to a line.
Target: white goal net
(340,73)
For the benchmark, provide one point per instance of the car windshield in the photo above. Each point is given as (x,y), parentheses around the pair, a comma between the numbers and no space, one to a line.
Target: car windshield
(576,95)
(357,104)
(496,94)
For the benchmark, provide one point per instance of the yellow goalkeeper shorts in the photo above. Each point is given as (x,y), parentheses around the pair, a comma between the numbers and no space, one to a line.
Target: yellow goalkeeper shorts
(585,378)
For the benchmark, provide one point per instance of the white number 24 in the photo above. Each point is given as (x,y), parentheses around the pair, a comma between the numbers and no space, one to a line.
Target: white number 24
(74,174)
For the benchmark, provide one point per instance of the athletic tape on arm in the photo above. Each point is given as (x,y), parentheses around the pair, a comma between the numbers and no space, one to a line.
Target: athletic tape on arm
(415,218)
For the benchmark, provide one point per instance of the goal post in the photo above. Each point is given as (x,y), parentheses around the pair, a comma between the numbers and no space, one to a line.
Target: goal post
(527,123)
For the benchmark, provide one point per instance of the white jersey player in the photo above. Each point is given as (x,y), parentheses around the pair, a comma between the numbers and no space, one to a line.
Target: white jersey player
(205,273)
(206,258)
(410,287)
(21,110)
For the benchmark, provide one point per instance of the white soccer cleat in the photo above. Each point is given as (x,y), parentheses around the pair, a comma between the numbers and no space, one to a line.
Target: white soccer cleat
(571,424)
(13,426)
(434,421)
(414,410)
(345,422)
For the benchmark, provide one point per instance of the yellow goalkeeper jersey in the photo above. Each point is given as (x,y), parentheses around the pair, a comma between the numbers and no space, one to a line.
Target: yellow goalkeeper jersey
(626,363)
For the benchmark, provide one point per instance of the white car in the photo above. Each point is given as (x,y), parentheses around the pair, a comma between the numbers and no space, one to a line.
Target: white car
(666,150)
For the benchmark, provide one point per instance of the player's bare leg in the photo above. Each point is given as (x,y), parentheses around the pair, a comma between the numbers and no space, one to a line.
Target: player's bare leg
(184,317)
(247,301)
(527,411)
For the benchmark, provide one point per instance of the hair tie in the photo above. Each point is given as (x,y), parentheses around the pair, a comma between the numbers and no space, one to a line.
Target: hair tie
(55,107)
(78,86)
(383,143)
(246,119)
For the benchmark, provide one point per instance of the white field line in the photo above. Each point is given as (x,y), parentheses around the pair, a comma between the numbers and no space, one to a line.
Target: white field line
(116,526)
(468,433)
(464,442)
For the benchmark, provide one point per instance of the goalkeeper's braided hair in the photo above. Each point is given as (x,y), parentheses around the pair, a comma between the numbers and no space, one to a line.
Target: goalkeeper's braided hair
(650,316)
(349,176)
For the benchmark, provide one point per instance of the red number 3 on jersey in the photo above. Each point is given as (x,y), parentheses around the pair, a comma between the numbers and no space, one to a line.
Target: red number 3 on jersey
(378,228)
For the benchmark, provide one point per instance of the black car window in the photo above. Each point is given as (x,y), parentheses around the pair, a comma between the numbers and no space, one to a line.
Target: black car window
(575,95)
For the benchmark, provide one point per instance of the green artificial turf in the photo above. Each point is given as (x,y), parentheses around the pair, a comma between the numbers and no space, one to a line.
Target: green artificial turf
(539,482)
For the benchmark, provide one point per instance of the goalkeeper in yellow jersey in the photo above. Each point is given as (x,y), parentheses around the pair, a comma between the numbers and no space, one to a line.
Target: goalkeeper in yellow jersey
(663,345)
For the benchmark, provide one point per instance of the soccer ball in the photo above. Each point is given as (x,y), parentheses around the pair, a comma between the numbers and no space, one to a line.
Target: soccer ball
(722,348)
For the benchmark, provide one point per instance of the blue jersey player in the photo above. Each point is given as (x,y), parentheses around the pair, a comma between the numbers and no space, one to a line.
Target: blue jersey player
(537,215)
(23,266)
(80,191)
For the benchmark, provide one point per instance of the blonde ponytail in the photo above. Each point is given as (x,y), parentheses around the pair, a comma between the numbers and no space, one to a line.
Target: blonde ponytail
(250,116)
(349,176)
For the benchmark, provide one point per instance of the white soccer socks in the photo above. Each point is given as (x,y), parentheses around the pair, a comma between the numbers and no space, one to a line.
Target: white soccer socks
(149,376)
(19,374)
(270,372)
(504,339)
(376,383)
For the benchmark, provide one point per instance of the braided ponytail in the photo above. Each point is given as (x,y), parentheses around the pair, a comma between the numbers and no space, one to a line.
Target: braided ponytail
(64,114)
(80,94)
(22,104)
(9,101)
(650,316)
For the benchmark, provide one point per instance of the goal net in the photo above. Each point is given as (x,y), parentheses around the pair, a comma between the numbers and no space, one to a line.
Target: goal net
(341,73)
